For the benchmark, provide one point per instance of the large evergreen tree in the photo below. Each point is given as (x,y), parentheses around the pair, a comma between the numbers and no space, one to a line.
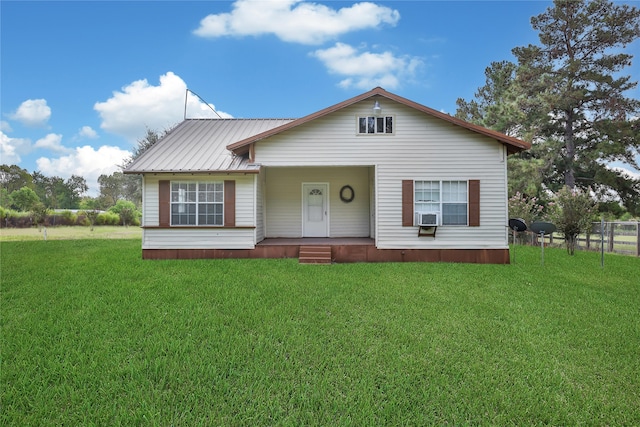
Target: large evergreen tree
(569,95)
(502,105)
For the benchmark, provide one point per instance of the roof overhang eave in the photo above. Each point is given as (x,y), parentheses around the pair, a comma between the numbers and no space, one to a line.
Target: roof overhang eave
(512,149)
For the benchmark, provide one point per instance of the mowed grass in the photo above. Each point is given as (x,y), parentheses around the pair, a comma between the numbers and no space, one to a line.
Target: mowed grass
(68,233)
(93,335)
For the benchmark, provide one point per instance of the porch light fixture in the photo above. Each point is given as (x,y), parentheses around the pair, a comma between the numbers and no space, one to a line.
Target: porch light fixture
(377,109)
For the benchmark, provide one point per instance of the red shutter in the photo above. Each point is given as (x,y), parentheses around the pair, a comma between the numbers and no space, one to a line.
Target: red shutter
(229,203)
(164,203)
(474,203)
(407,203)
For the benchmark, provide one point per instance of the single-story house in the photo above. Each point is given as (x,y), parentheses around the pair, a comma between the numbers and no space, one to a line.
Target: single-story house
(374,178)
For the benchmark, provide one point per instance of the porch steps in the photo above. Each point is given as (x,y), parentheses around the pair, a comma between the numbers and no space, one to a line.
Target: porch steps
(315,255)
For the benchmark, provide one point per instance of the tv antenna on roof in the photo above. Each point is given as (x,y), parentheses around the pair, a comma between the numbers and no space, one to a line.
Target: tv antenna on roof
(186,97)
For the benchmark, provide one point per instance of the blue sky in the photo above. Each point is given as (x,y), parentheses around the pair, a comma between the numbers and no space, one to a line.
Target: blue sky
(82,80)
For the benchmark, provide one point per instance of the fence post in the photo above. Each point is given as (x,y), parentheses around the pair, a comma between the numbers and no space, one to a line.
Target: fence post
(611,235)
(637,238)
(602,242)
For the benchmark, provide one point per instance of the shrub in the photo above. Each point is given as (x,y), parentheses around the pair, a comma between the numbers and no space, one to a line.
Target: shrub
(89,218)
(572,213)
(17,219)
(39,213)
(525,208)
(83,220)
(67,218)
(4,214)
(127,212)
(108,218)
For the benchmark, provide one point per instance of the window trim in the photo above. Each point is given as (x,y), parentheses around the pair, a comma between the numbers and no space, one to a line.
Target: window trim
(198,204)
(441,202)
(473,202)
(164,206)
(384,117)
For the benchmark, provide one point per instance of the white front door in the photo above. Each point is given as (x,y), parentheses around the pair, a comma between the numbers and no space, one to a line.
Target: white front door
(315,208)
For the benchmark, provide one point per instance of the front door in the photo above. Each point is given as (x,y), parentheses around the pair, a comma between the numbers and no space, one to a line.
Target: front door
(315,208)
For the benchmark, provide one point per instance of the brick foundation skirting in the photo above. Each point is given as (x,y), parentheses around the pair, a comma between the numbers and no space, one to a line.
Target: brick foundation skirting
(342,254)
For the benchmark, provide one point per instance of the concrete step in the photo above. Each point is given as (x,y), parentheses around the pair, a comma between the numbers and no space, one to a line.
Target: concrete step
(315,255)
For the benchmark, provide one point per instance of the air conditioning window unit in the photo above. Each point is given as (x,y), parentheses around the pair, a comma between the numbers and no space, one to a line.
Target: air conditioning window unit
(428,219)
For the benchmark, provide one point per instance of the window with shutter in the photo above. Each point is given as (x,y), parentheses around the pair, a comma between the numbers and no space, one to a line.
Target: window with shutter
(191,203)
(454,202)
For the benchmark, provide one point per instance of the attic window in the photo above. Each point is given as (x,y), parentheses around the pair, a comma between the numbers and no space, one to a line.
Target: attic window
(372,125)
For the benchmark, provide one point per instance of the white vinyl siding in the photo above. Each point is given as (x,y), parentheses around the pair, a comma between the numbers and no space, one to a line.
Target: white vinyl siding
(240,237)
(150,202)
(284,200)
(198,238)
(422,148)
(329,149)
(259,215)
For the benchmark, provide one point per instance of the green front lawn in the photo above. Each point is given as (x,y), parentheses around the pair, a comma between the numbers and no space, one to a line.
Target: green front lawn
(93,335)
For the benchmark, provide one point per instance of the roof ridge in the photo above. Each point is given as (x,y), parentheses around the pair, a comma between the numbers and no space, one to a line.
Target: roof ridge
(239,118)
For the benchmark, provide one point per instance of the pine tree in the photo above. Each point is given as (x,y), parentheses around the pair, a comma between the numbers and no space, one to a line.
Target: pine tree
(568,95)
(575,74)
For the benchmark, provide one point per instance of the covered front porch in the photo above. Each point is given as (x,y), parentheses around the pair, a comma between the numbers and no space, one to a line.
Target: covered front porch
(316,202)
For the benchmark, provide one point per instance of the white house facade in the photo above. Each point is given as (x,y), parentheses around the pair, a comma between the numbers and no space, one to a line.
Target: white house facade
(374,178)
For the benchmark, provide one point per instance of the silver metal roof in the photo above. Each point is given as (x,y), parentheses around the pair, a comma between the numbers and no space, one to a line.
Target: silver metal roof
(199,145)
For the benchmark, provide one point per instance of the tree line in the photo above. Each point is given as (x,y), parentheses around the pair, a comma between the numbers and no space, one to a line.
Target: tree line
(120,195)
(21,190)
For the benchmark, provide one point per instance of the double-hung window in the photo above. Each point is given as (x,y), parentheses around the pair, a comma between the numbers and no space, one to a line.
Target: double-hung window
(448,199)
(197,203)
(375,125)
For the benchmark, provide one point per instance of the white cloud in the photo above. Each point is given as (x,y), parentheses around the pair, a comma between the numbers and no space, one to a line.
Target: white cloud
(5,126)
(365,70)
(140,105)
(86,162)
(199,110)
(51,142)
(12,148)
(295,21)
(32,112)
(87,132)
